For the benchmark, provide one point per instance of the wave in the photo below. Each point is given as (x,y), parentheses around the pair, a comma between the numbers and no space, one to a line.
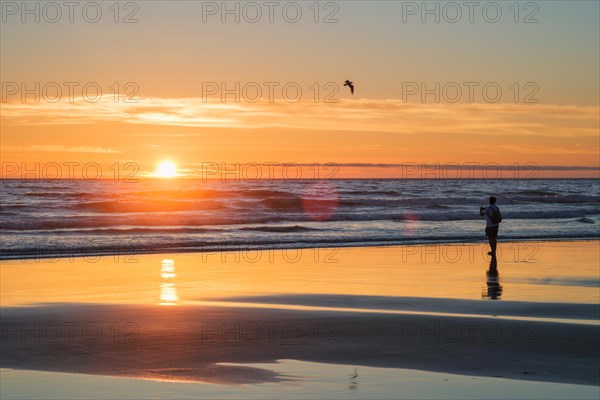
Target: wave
(559,199)
(171,230)
(133,206)
(533,193)
(358,192)
(307,212)
(291,200)
(61,194)
(77,250)
(586,220)
(96,216)
(276,229)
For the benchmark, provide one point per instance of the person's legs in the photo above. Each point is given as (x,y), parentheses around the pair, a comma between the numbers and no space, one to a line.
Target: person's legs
(492,234)
(493,242)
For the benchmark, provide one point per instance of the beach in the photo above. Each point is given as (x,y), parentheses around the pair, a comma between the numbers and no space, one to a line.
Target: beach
(219,320)
(299,200)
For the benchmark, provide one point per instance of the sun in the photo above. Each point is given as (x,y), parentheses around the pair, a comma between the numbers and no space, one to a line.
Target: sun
(166,169)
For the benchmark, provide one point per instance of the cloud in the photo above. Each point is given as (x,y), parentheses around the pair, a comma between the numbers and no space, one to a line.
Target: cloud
(465,166)
(378,115)
(61,149)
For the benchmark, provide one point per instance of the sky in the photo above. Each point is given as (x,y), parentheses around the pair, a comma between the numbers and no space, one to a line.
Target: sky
(501,83)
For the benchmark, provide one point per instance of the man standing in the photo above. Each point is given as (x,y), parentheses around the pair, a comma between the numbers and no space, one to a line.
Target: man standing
(493,217)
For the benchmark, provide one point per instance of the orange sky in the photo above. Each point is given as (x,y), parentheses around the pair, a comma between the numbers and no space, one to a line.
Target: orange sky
(170,55)
(192,133)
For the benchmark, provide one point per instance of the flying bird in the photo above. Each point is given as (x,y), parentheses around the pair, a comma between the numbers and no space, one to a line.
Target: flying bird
(350,85)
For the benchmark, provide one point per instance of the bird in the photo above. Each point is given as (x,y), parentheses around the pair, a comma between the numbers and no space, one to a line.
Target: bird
(350,85)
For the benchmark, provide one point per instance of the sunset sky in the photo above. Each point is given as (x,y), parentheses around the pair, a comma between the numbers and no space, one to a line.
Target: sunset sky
(174,51)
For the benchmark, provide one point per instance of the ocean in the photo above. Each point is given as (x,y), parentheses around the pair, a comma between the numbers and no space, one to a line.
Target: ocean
(54,218)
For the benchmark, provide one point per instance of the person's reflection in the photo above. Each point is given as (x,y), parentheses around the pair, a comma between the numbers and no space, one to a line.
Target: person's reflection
(494,288)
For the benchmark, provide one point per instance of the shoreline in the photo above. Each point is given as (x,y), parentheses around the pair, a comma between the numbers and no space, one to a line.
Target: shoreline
(283,246)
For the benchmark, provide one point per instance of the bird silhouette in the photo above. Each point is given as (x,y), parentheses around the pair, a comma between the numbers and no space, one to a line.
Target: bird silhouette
(350,85)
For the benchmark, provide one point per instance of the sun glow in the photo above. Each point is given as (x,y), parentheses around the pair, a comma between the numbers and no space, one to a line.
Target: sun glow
(166,169)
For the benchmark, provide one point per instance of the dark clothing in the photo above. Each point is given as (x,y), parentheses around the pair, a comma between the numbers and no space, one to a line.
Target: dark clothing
(491,232)
(488,212)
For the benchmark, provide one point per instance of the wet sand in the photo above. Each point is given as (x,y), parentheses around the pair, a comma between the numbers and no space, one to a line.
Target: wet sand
(180,317)
(186,343)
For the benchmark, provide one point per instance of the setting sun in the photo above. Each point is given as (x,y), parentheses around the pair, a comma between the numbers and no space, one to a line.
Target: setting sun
(166,169)
(308,204)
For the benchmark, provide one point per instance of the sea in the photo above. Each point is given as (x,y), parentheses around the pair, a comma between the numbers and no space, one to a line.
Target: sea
(59,218)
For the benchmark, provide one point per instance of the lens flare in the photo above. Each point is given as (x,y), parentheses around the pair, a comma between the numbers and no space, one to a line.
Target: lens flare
(320,201)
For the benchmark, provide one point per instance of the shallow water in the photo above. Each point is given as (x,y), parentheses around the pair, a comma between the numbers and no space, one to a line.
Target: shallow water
(549,272)
(306,380)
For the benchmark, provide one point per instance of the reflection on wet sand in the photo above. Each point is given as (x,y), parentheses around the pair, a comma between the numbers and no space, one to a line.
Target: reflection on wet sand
(494,288)
(191,343)
(168,292)
(369,309)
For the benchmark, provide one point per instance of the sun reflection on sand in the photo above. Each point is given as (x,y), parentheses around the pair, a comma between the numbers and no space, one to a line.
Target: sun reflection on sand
(168,292)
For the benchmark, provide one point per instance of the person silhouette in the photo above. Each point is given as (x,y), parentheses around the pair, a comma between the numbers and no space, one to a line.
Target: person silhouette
(491,214)
(494,288)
